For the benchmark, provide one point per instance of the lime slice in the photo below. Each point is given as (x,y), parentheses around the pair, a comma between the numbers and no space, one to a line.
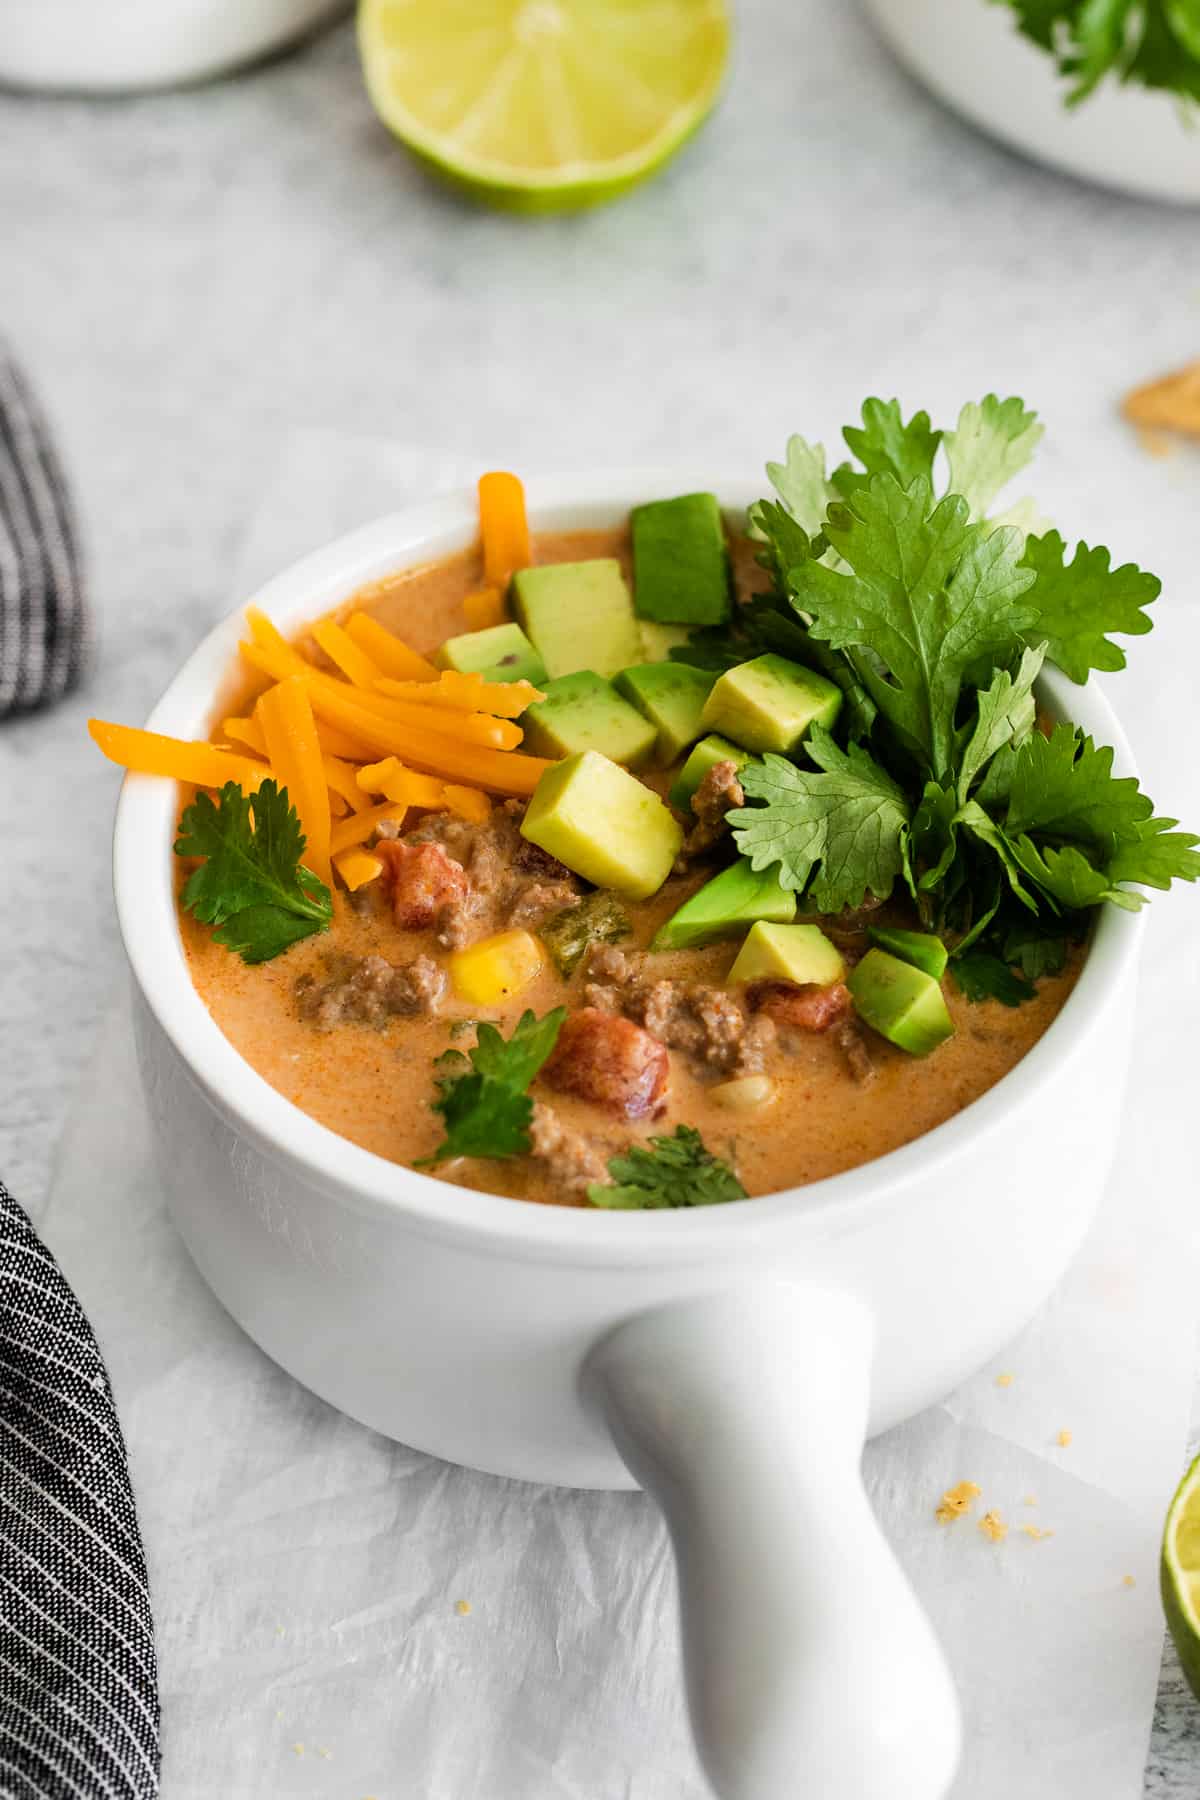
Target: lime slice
(540,105)
(1181,1574)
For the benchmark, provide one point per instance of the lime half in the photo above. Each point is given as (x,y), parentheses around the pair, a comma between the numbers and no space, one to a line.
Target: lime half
(1181,1574)
(541,105)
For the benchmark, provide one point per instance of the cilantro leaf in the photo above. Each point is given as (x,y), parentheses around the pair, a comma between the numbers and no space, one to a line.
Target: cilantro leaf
(992,442)
(930,595)
(1078,603)
(251,884)
(1064,787)
(1153,42)
(885,445)
(483,1098)
(1158,856)
(1068,876)
(984,976)
(841,826)
(1007,714)
(802,484)
(674,1171)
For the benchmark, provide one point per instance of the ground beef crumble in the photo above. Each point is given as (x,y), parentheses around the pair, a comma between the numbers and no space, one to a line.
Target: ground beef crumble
(720,792)
(369,990)
(572,1158)
(507,880)
(707,1023)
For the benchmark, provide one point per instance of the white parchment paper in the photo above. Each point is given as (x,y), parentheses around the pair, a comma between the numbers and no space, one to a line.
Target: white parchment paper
(309,1576)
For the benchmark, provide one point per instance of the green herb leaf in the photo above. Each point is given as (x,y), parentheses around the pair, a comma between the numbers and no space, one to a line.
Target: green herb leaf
(1007,714)
(1080,602)
(1069,877)
(929,595)
(841,826)
(674,1171)
(483,1098)
(251,885)
(885,445)
(599,918)
(984,976)
(1159,856)
(1064,787)
(801,483)
(1155,43)
(993,441)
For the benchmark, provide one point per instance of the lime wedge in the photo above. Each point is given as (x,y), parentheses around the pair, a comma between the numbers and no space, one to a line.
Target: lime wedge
(1180,1574)
(542,105)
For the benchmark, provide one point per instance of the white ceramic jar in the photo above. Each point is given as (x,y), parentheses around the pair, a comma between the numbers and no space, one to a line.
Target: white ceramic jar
(970,54)
(114,46)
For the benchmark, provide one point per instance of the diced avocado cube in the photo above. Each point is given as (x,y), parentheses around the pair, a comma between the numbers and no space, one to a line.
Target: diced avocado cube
(672,696)
(903,1004)
(707,754)
(770,703)
(725,906)
(585,712)
(680,561)
(920,948)
(604,824)
(800,953)
(658,641)
(578,616)
(501,653)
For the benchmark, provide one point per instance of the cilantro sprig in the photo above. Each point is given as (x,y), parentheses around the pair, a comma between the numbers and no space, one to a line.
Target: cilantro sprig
(483,1097)
(935,614)
(674,1171)
(251,884)
(1154,43)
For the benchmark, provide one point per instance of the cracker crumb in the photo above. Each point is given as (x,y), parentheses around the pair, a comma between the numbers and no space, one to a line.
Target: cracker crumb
(1029,1500)
(298,1749)
(1064,1440)
(462,1608)
(279,1714)
(1036,1533)
(1172,403)
(280,1630)
(993,1527)
(1004,1381)
(1128,1581)
(956,1501)
(322,1751)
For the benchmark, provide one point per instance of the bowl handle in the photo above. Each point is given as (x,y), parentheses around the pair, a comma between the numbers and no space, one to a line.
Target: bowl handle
(811,1668)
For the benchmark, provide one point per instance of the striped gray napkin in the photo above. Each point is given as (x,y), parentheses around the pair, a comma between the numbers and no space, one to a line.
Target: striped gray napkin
(78,1683)
(44,636)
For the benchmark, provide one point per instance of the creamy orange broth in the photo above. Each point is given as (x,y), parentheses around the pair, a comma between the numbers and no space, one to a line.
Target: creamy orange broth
(373,1086)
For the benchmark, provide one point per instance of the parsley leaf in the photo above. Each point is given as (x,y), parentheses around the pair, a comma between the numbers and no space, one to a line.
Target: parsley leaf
(674,1171)
(844,823)
(483,1098)
(251,885)
(1080,602)
(885,445)
(992,442)
(928,594)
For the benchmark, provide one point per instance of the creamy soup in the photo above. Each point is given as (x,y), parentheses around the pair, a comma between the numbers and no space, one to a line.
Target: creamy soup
(353,1041)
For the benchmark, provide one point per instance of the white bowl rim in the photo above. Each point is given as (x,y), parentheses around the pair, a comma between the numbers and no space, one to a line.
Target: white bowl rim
(365,1181)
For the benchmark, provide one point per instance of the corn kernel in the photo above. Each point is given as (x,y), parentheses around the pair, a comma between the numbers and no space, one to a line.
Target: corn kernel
(495,968)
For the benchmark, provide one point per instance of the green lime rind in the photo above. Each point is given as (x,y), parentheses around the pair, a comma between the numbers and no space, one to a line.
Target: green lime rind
(1182,1620)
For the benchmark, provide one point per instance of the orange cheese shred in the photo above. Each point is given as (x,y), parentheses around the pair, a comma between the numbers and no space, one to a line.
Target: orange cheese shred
(387,650)
(180,759)
(357,867)
(462,692)
(466,803)
(473,765)
(246,731)
(286,717)
(503,527)
(342,781)
(360,826)
(345,654)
